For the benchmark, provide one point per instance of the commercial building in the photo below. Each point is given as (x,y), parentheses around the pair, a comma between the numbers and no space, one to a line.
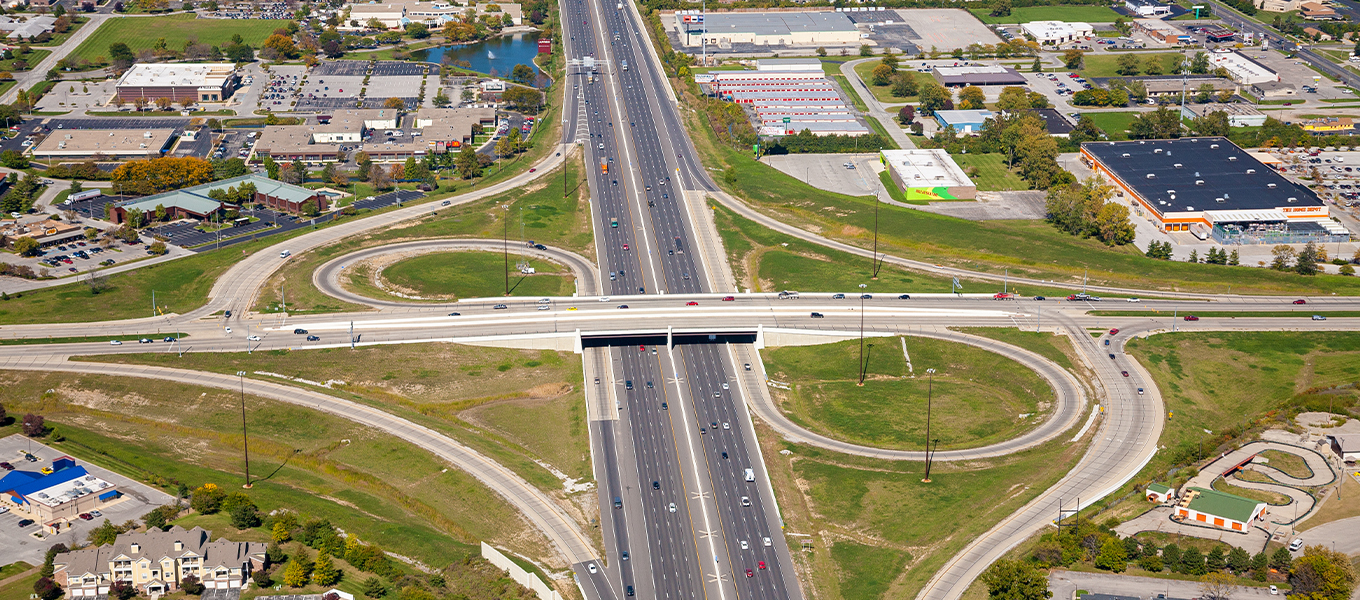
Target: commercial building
(1314,11)
(1170,86)
(198,202)
(1273,89)
(963,121)
(1147,8)
(1239,115)
(1328,125)
(1159,493)
(1055,123)
(809,29)
(307,143)
(790,65)
(1218,35)
(1278,5)
(927,175)
(1317,34)
(1346,446)
(16,29)
(787,102)
(45,231)
(397,15)
(1057,32)
(107,143)
(200,82)
(156,562)
(1219,509)
(977,75)
(61,495)
(1241,69)
(1210,187)
(449,129)
(438,130)
(369,118)
(1158,30)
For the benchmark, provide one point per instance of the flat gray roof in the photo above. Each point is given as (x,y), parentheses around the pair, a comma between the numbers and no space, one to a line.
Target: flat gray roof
(777,23)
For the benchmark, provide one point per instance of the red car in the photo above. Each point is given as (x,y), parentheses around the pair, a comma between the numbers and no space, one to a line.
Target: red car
(1300,301)
(729,298)
(642,348)
(6,466)
(625,246)
(1191,318)
(1002,296)
(1124,373)
(1114,331)
(750,573)
(761,564)
(691,303)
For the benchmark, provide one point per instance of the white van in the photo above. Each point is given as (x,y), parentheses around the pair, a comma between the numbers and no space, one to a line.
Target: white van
(750,475)
(285,254)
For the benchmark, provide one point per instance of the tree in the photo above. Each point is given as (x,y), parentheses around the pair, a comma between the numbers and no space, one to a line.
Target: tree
(1283,259)
(310,209)
(1113,556)
(1171,556)
(1281,560)
(1015,580)
(1199,64)
(245,516)
(1346,270)
(1216,585)
(1217,559)
(467,164)
(295,575)
(821,50)
(1072,58)
(1037,66)
(1306,263)
(324,572)
(417,31)
(34,425)
(146,177)
(207,499)
(903,85)
(881,75)
(46,589)
(865,50)
(1151,563)
(972,98)
(374,588)
(120,53)
(1260,566)
(1239,561)
(1192,561)
(105,534)
(1214,123)
(931,97)
(281,44)
(1001,8)
(441,100)
(1322,574)
(522,73)
(906,115)
(26,246)
(396,103)
(1127,64)
(1159,124)
(1013,98)
(191,585)
(122,590)
(157,248)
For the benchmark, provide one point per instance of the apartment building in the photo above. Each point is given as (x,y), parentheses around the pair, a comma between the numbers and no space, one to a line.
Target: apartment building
(156,562)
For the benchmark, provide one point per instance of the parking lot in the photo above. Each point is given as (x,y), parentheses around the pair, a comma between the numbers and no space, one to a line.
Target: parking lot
(332,68)
(77,95)
(943,28)
(19,544)
(187,235)
(92,208)
(1297,72)
(828,171)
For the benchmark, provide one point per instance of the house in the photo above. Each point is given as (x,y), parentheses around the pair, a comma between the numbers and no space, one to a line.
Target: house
(1317,34)
(1218,509)
(156,562)
(1346,446)
(58,496)
(1159,493)
(963,121)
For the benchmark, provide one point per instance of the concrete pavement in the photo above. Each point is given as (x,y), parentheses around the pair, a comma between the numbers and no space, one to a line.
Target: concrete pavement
(1064,585)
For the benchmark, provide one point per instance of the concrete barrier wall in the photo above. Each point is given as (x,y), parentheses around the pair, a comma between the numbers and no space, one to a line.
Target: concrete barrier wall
(518,573)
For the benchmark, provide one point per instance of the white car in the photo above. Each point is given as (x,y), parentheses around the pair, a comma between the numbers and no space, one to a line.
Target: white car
(1296,545)
(228,331)
(115,343)
(672,507)
(4,509)
(1133,300)
(1274,591)
(744,545)
(591,568)
(767,542)
(604,298)
(544,307)
(254,338)
(544,301)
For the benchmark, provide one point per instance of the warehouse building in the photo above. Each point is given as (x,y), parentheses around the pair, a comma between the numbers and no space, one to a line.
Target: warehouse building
(1219,509)
(1239,115)
(107,143)
(1273,89)
(977,75)
(1173,86)
(397,15)
(1210,187)
(809,29)
(1057,32)
(927,175)
(200,82)
(60,495)
(1147,8)
(1241,69)
(789,65)
(963,121)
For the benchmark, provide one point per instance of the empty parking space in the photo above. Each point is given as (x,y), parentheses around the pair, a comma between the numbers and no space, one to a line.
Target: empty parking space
(394,69)
(119,123)
(341,67)
(942,28)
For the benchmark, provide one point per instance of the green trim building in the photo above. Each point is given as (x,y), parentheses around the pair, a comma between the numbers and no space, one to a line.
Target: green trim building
(1219,509)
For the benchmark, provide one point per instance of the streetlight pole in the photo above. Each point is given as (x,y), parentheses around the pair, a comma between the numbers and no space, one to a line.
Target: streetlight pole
(245,442)
(505,245)
(876,203)
(930,389)
(861,335)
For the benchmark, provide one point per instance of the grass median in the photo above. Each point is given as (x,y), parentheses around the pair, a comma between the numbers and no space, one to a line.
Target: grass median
(448,276)
(1226,313)
(461,391)
(977,397)
(370,484)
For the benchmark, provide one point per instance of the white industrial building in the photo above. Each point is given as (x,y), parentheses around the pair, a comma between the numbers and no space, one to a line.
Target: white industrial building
(928,174)
(1239,115)
(767,29)
(790,65)
(1057,32)
(1147,8)
(397,15)
(1241,69)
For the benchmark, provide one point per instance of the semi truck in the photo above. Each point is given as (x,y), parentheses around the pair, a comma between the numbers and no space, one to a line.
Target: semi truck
(604,166)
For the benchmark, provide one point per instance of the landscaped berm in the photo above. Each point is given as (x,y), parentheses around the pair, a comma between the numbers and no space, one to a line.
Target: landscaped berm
(977,397)
(447,276)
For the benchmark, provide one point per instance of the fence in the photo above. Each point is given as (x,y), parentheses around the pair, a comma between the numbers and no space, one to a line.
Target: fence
(518,573)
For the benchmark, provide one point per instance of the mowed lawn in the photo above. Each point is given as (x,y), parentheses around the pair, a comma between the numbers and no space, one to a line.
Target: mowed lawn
(141,33)
(1107,65)
(1114,124)
(992,174)
(1088,14)
(476,275)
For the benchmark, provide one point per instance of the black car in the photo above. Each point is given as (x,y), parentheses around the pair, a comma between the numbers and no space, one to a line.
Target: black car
(168,339)
(25,522)
(455,314)
(1040,298)
(656,485)
(904,297)
(300,331)
(227,314)
(312,338)
(838,296)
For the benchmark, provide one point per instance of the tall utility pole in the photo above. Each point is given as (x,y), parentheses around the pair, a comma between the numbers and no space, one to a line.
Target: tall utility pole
(930,389)
(862,368)
(245,442)
(876,203)
(505,246)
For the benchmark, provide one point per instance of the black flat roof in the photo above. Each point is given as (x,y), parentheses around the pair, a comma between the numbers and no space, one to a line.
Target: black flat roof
(1054,121)
(1204,174)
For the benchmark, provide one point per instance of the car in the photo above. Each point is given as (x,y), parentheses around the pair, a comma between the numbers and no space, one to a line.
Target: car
(728,298)
(625,246)
(455,314)
(1274,591)
(656,485)
(115,343)
(691,303)
(313,338)
(86,516)
(1111,357)
(96,514)
(1132,300)
(624,555)
(535,170)
(744,546)
(745,500)
(642,348)
(904,297)
(665,406)
(838,296)
(726,425)
(1319,318)
(27,522)
(228,330)
(253,338)
(1296,545)
(1140,391)
(724,455)
(760,565)
(818,315)
(144,341)
(1191,318)
(866,297)
(672,507)
(1124,373)
(46,470)
(749,573)
(1040,298)
(591,567)
(1114,331)
(766,542)
(499,307)
(544,307)
(604,298)
(630,588)
(571,308)
(6,466)
(1300,301)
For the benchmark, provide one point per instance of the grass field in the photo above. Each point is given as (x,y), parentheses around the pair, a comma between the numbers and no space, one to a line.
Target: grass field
(1290,464)
(370,484)
(883,505)
(78,340)
(548,218)
(433,384)
(1056,348)
(992,174)
(882,92)
(1114,124)
(21,589)
(1271,498)
(1088,14)
(977,396)
(446,276)
(141,33)
(1107,64)
(1337,507)
(34,56)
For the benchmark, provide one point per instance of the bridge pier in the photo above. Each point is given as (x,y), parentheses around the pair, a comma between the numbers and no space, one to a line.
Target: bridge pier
(578,347)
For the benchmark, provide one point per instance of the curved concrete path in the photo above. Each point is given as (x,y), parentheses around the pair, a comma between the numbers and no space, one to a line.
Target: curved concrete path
(1301,502)
(327,277)
(1067,408)
(536,507)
